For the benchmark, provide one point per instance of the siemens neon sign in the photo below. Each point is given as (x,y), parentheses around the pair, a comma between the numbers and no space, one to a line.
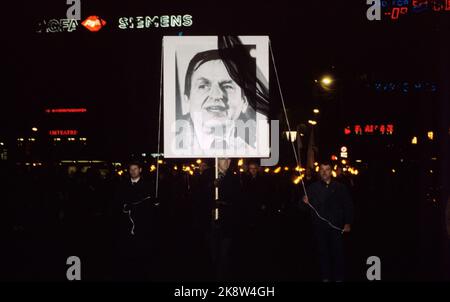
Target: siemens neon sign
(95,23)
(143,22)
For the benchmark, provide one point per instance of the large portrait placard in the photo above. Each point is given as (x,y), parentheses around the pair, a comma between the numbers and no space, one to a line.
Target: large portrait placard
(216,96)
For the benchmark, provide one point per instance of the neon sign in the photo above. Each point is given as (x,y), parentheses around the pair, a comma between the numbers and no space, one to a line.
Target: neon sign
(62,132)
(370,129)
(396,8)
(93,23)
(141,22)
(405,86)
(57,26)
(66,110)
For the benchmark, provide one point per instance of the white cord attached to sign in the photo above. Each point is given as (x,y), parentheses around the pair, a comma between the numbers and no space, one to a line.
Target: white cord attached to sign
(127,205)
(326,220)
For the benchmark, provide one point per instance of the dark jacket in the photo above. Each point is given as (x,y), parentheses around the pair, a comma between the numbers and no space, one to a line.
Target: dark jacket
(135,256)
(132,198)
(230,197)
(256,202)
(332,202)
(202,189)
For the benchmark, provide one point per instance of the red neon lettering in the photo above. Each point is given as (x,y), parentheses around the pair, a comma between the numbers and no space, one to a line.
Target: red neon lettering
(66,110)
(395,13)
(390,128)
(368,129)
(63,132)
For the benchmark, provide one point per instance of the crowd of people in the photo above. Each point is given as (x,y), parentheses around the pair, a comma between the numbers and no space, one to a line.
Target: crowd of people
(258,227)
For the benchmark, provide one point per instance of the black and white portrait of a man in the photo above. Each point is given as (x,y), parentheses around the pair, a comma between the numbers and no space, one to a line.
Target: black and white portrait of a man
(215,97)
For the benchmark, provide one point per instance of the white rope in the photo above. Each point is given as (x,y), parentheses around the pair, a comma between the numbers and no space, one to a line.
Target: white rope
(131,219)
(326,220)
(129,211)
(297,157)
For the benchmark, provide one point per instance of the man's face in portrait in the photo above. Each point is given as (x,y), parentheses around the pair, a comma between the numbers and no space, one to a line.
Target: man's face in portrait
(214,96)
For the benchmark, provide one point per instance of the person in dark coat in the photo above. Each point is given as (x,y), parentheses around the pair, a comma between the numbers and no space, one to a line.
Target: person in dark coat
(202,197)
(255,224)
(202,193)
(332,201)
(225,227)
(135,227)
(257,195)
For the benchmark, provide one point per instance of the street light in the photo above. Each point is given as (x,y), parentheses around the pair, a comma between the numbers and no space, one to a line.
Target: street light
(291,135)
(326,80)
(312,122)
(34,129)
(316,111)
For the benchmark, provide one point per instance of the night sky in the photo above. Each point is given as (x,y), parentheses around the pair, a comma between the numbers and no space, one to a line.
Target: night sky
(115,73)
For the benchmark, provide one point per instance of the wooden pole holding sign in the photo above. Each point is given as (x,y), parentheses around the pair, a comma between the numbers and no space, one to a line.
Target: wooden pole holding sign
(216,208)
(217,176)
